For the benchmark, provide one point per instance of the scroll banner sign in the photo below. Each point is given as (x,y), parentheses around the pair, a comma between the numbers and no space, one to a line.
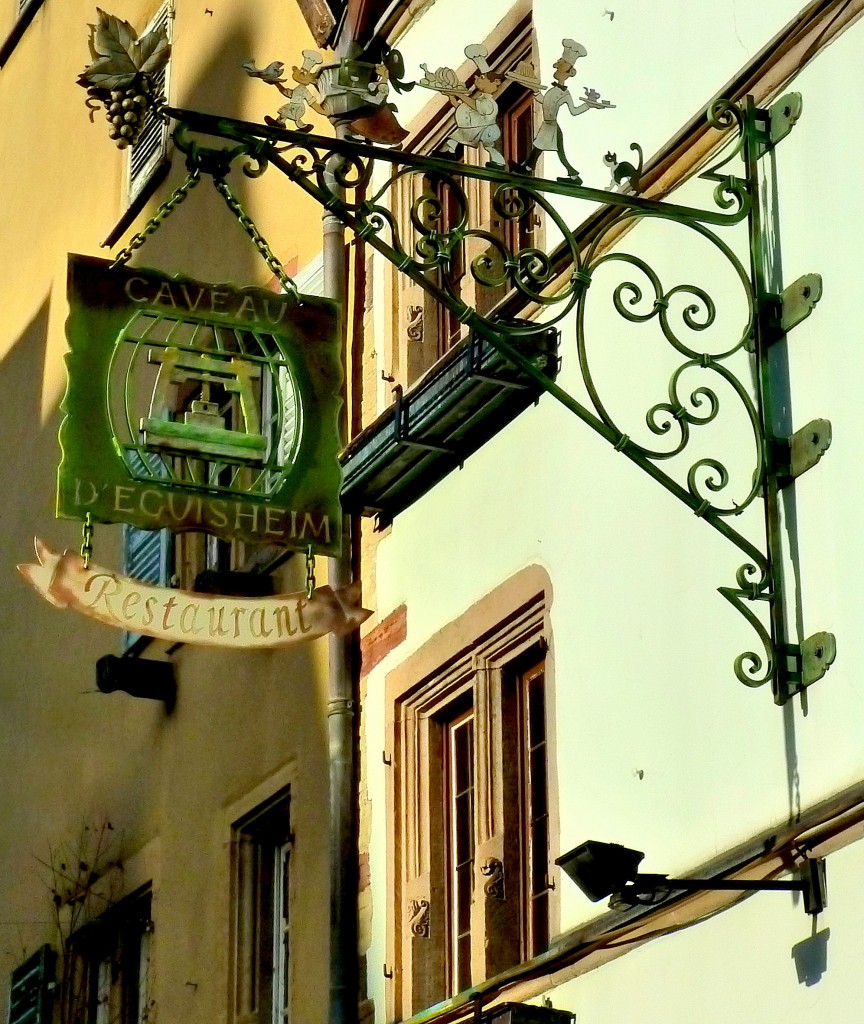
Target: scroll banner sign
(195,406)
(184,617)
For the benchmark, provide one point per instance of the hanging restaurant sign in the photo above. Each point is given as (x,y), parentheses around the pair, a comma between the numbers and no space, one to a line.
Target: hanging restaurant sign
(195,406)
(183,617)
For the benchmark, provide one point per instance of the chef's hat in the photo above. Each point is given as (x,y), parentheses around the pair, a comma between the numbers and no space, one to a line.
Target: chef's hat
(572,50)
(478,53)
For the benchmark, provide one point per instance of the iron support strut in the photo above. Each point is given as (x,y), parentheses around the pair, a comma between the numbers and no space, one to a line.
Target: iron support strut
(797,665)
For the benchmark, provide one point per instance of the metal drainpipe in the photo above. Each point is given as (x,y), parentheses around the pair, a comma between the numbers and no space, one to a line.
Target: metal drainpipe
(341,721)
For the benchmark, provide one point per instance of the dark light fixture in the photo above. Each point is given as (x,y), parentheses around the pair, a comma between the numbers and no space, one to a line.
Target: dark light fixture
(139,677)
(607,869)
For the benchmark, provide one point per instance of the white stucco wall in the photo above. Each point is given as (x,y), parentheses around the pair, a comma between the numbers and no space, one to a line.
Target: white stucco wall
(658,745)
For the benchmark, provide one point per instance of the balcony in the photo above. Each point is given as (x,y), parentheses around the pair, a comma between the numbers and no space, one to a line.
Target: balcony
(470,394)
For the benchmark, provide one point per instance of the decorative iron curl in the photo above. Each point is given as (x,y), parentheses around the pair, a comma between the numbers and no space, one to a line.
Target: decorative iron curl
(376,221)
(751,668)
(491,268)
(301,161)
(256,164)
(639,299)
(339,173)
(731,192)
(716,477)
(510,203)
(529,271)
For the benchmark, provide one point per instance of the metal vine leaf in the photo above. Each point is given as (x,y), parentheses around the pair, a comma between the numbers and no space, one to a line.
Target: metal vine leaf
(119,56)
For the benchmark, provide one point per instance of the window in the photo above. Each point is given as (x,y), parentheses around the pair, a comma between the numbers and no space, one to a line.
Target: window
(151,148)
(111,980)
(422,329)
(148,556)
(261,924)
(459,832)
(471,807)
(447,215)
(525,685)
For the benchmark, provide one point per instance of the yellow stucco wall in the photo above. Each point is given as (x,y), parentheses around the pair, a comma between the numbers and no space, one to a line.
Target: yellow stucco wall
(244,723)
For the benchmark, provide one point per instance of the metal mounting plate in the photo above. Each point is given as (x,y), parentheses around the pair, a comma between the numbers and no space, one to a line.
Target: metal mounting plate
(807,663)
(803,450)
(817,656)
(784,115)
(799,300)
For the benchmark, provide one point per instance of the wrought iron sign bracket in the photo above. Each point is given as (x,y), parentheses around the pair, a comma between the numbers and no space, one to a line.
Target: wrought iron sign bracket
(352,179)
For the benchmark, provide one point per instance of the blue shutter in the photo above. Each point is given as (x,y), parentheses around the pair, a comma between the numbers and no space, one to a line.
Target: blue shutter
(147,556)
(32,984)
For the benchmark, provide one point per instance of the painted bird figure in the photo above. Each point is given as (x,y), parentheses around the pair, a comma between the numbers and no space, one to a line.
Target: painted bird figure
(272,73)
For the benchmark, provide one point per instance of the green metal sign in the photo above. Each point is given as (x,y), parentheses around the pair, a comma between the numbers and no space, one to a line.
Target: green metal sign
(195,406)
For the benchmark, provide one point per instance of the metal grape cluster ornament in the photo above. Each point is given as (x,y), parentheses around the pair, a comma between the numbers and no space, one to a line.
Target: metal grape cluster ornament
(122,75)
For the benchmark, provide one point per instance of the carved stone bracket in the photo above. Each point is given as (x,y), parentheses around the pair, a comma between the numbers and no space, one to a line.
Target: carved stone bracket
(493,869)
(418,911)
(415,323)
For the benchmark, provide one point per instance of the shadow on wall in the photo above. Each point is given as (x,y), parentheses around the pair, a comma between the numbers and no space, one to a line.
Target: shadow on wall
(811,957)
(22,371)
(221,88)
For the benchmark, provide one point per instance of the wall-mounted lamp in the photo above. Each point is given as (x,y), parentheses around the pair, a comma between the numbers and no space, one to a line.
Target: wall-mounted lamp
(139,677)
(607,869)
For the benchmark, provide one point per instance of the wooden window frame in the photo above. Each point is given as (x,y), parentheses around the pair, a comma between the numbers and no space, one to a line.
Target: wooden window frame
(111,962)
(482,676)
(261,844)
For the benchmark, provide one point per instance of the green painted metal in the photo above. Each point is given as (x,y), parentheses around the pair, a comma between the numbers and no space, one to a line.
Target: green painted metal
(433,250)
(163,423)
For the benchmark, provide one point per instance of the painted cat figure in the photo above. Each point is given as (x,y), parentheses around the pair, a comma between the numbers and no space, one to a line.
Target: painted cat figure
(622,170)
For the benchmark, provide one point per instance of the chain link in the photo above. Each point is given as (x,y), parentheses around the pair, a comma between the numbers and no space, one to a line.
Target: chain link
(87,542)
(246,222)
(310,573)
(252,231)
(174,200)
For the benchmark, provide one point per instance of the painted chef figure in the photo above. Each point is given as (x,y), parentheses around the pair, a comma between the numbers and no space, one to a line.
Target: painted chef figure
(549,136)
(476,116)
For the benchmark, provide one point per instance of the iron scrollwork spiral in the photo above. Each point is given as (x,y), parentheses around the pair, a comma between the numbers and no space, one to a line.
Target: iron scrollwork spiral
(683,411)
(683,315)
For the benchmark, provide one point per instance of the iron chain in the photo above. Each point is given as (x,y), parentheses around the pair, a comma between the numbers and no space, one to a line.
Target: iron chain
(87,542)
(174,200)
(310,573)
(252,231)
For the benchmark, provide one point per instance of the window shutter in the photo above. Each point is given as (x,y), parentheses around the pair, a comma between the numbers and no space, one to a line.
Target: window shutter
(31,986)
(152,145)
(146,555)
